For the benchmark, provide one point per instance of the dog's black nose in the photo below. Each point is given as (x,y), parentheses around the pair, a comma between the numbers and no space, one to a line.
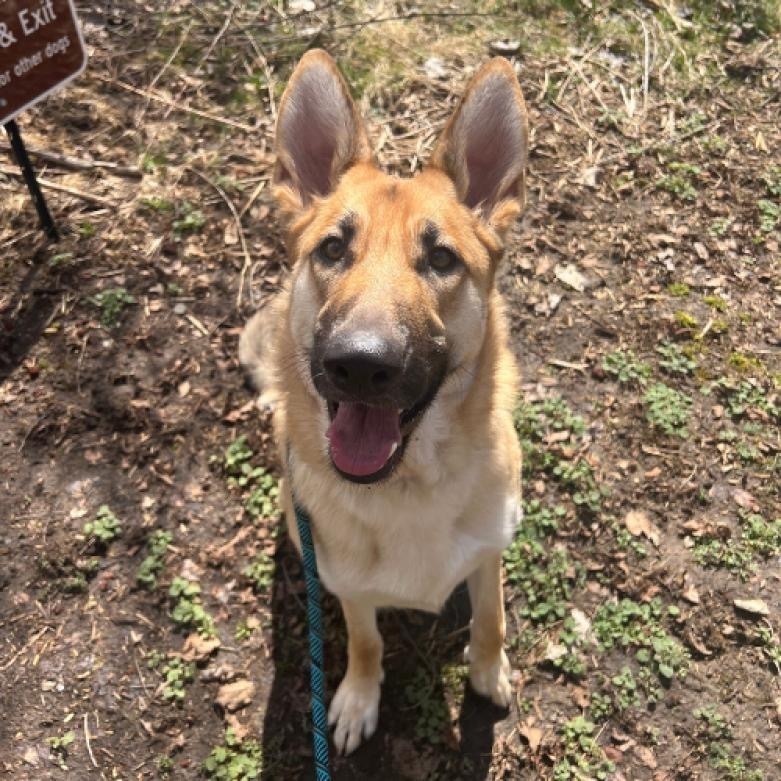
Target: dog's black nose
(363,365)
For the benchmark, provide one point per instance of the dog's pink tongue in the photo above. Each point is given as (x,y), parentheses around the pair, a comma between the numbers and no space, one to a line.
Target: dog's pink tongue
(363,438)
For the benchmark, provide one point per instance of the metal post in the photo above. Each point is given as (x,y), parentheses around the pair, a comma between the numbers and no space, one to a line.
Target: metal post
(22,158)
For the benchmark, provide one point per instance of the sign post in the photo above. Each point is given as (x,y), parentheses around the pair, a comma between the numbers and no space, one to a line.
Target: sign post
(41,49)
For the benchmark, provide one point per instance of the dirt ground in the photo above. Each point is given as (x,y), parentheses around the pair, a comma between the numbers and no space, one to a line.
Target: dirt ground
(644,290)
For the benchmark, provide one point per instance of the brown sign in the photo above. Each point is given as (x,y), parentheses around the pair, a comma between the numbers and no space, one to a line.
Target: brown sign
(40,49)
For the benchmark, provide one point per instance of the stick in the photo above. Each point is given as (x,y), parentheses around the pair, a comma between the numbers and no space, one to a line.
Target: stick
(168,102)
(86,740)
(61,188)
(239,230)
(207,54)
(78,164)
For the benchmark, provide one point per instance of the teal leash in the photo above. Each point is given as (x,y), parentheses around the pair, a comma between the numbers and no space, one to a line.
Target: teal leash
(314,616)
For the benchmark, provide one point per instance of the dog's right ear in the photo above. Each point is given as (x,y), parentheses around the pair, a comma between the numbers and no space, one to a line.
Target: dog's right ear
(319,134)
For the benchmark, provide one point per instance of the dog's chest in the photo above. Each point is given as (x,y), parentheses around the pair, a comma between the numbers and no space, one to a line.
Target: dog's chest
(416,562)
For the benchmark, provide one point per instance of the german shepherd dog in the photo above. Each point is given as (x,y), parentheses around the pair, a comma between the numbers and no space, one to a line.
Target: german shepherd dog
(385,358)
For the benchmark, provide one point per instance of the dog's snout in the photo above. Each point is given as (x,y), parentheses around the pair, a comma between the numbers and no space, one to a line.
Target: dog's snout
(364,365)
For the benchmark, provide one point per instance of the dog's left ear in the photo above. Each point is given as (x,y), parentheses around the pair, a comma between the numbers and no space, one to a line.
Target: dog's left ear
(483,147)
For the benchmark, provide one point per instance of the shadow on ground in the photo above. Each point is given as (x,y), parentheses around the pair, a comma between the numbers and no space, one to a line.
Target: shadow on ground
(430,720)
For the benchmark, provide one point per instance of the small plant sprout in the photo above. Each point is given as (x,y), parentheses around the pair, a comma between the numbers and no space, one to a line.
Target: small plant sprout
(188,611)
(260,572)
(189,219)
(674,360)
(234,760)
(150,567)
(112,303)
(176,673)
(625,366)
(105,528)
(667,409)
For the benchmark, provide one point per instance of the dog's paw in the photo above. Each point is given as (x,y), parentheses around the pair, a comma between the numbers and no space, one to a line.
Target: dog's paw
(491,677)
(354,711)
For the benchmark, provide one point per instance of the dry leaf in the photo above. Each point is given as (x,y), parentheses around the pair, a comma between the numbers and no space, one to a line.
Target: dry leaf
(756,607)
(233,696)
(239,730)
(744,499)
(646,757)
(638,523)
(690,594)
(532,734)
(197,648)
(570,276)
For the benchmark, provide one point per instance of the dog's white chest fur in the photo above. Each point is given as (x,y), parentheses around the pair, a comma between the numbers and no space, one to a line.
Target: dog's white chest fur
(413,549)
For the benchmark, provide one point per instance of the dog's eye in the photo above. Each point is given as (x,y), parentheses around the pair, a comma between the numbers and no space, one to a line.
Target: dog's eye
(332,249)
(442,260)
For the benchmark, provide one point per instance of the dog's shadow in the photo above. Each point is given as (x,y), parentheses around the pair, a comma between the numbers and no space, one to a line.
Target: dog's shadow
(431,722)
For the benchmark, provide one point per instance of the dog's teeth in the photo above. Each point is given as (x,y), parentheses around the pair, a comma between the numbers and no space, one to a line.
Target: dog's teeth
(394,448)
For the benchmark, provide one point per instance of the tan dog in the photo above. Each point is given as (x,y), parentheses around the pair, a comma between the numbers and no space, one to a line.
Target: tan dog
(386,359)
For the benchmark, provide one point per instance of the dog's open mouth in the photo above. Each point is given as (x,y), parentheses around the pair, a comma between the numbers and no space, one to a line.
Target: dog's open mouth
(367,442)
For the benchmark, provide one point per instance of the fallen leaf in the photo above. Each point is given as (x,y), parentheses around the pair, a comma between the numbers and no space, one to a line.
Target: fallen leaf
(744,499)
(646,757)
(239,729)
(755,607)
(570,276)
(197,648)
(232,696)
(638,523)
(690,594)
(532,734)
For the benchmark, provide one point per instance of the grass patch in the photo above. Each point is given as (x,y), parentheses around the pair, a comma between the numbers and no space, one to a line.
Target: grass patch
(188,219)
(150,567)
(234,760)
(262,501)
(549,432)
(112,303)
(105,528)
(679,289)
(716,734)
(681,181)
(667,410)
(583,756)
(673,359)
(634,626)
(260,573)
(756,538)
(432,717)
(188,611)
(543,574)
(176,674)
(626,367)
(747,398)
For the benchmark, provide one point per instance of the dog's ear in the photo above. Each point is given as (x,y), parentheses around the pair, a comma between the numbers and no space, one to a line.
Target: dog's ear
(483,147)
(319,132)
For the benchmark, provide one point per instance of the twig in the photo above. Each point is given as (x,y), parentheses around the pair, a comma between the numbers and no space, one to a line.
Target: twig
(61,188)
(207,53)
(86,740)
(168,102)
(255,193)
(239,228)
(78,164)
(166,64)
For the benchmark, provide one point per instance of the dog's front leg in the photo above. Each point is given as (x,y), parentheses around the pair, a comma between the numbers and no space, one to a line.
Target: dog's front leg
(355,706)
(489,669)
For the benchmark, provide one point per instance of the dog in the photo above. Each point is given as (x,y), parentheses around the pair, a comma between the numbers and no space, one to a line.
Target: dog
(385,358)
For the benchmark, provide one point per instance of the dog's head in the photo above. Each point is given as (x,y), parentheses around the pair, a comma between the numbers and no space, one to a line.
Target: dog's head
(392,277)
